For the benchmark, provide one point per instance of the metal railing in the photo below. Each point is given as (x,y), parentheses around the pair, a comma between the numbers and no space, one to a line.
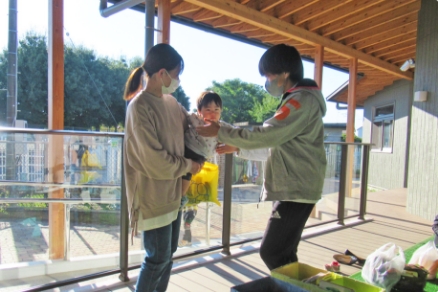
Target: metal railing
(227,203)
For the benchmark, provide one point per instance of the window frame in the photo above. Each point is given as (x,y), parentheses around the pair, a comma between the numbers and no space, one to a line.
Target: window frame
(382,119)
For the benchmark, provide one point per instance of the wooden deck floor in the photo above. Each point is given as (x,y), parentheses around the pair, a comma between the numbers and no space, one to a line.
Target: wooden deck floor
(387,221)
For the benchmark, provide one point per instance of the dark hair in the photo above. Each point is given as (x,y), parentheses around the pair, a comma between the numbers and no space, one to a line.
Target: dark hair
(133,83)
(207,97)
(282,58)
(160,56)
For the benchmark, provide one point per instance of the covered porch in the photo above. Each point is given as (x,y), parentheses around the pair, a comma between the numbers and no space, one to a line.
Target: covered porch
(345,40)
(386,221)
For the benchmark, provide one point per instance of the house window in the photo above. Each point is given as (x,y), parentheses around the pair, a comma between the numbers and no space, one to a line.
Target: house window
(383,128)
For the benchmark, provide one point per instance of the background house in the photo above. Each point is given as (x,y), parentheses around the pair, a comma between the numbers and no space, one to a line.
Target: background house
(333,131)
(404,128)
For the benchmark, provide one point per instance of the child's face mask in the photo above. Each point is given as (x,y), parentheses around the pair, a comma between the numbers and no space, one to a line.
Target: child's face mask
(174,84)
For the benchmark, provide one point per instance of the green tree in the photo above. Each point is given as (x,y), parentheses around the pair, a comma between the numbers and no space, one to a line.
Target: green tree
(93,89)
(357,139)
(239,99)
(265,109)
(93,86)
(182,98)
(32,80)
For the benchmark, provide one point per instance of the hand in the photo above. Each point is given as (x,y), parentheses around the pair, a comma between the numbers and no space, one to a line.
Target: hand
(209,130)
(196,167)
(225,149)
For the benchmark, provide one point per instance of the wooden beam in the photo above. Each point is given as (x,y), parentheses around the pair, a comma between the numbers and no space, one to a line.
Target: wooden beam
(265,5)
(291,7)
(395,46)
(391,29)
(393,34)
(398,50)
(341,12)
(388,43)
(225,21)
(274,39)
(56,122)
(205,14)
(315,10)
(182,8)
(394,19)
(352,86)
(272,24)
(319,64)
(243,27)
(258,33)
(164,21)
(402,58)
(361,16)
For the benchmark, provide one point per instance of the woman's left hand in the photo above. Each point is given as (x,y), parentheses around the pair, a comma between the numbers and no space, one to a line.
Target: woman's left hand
(209,130)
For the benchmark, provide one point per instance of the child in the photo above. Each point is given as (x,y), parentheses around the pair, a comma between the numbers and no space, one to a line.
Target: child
(199,149)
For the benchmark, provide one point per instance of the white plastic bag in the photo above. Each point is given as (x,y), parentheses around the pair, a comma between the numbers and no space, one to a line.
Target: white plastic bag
(384,266)
(425,256)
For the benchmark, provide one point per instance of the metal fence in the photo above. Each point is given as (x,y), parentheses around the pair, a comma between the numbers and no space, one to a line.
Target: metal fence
(105,169)
(30,163)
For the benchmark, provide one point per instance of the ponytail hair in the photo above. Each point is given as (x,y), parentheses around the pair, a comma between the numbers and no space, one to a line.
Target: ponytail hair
(133,83)
(160,56)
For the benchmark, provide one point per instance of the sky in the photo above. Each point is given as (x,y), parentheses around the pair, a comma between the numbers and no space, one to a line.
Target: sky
(207,56)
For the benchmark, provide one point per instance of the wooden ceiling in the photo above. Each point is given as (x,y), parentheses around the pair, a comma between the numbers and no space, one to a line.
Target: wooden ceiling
(380,33)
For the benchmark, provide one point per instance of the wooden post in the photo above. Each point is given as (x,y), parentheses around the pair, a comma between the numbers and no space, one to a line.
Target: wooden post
(56,122)
(319,63)
(351,100)
(352,85)
(317,76)
(163,21)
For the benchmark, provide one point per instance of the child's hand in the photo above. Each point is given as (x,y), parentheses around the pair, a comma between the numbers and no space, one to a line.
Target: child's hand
(210,129)
(225,149)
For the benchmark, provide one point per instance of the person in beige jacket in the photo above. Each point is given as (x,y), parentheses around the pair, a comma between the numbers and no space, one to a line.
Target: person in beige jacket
(154,162)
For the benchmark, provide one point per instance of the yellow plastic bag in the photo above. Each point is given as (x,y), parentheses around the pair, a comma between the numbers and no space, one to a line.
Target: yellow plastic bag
(203,186)
(90,160)
(88,177)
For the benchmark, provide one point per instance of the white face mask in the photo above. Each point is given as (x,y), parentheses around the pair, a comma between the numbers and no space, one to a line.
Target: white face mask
(174,84)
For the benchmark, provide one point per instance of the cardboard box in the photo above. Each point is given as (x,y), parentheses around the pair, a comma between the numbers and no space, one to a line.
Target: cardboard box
(295,273)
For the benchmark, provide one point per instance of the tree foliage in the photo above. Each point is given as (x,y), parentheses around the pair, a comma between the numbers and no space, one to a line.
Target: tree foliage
(182,98)
(265,109)
(240,100)
(93,86)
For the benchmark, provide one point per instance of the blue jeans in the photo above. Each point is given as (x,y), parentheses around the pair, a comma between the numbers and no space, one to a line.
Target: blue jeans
(160,244)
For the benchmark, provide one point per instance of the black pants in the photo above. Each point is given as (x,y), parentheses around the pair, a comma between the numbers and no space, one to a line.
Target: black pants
(283,234)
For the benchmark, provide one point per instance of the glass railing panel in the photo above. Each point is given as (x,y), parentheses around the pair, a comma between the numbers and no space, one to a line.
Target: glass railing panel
(94,229)
(24,233)
(89,190)
(352,201)
(201,224)
(327,208)
(248,215)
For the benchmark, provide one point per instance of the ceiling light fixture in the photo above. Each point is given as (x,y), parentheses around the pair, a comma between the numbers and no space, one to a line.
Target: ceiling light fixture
(410,63)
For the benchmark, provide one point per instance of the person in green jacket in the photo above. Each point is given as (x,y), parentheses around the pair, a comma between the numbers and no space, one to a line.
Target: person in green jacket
(292,143)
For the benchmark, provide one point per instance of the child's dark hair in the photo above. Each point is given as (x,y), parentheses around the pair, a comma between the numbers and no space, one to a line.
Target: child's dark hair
(207,97)
(158,57)
(282,58)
